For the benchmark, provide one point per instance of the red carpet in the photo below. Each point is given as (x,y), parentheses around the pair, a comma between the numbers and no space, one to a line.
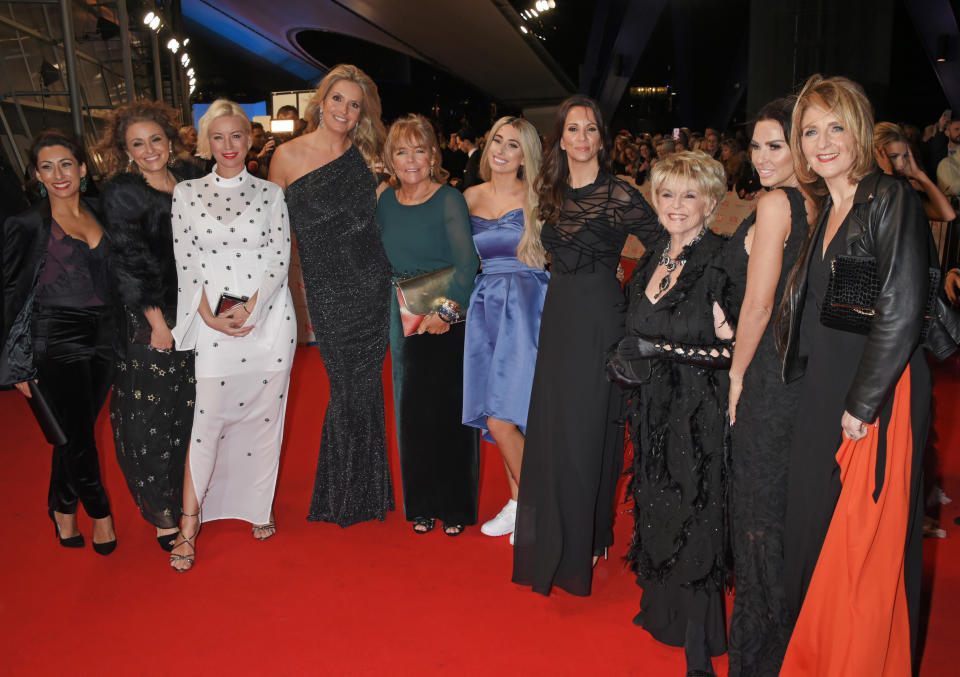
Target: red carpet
(372,599)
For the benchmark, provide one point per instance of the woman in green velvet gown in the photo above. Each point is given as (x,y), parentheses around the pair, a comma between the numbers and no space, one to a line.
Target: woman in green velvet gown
(425,227)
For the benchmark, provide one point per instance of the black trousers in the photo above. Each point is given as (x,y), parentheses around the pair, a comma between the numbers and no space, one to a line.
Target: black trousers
(74,356)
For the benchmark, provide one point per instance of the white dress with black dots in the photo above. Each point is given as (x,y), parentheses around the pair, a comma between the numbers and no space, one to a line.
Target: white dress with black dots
(233,235)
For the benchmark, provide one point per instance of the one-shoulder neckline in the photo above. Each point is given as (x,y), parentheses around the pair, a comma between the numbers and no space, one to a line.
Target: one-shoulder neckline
(499,218)
(323,166)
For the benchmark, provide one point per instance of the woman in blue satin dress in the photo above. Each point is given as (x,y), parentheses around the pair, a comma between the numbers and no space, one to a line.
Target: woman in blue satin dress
(503,320)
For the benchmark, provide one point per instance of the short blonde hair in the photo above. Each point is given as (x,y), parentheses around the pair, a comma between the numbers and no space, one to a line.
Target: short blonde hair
(369,133)
(218,109)
(849,102)
(414,131)
(530,249)
(695,167)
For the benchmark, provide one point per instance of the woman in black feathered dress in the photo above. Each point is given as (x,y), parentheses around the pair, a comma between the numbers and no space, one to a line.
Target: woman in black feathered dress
(153,390)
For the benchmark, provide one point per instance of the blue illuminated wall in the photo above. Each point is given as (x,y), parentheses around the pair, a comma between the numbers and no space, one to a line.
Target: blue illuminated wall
(232,30)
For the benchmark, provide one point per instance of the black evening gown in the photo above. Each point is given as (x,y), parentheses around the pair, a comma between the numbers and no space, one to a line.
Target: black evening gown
(573,455)
(679,435)
(833,357)
(151,410)
(760,440)
(347,279)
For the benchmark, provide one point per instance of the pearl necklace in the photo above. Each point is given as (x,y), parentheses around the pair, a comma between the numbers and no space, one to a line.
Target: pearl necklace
(672,264)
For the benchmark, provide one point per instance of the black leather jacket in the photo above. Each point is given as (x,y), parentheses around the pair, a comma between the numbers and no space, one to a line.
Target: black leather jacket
(886,222)
(24,241)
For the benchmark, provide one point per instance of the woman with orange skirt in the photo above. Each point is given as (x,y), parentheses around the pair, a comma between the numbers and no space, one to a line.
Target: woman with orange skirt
(852,538)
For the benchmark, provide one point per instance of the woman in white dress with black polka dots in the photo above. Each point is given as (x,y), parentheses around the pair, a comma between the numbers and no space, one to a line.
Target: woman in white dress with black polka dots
(232,236)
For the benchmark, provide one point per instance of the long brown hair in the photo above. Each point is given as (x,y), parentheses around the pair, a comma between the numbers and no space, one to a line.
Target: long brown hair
(554,173)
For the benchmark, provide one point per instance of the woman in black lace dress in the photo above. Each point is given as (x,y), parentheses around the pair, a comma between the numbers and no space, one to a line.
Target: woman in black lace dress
(574,449)
(758,259)
(331,195)
(676,325)
(153,387)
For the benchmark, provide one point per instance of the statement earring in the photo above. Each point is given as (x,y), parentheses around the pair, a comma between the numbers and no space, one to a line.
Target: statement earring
(320,118)
(83,184)
(43,190)
(172,159)
(432,175)
(130,165)
(520,172)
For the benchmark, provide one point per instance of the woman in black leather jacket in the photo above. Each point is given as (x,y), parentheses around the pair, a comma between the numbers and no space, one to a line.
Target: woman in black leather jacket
(854,472)
(58,326)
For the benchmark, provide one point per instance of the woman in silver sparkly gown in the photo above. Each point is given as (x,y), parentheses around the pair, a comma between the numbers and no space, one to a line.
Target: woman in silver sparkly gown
(331,196)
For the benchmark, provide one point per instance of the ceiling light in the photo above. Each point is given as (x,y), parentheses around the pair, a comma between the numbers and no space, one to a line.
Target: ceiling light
(173,45)
(186,41)
(155,23)
(185,59)
(150,16)
(524,30)
(190,72)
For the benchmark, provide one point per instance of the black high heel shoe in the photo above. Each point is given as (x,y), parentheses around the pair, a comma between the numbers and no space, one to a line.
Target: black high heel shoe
(166,541)
(72,541)
(106,547)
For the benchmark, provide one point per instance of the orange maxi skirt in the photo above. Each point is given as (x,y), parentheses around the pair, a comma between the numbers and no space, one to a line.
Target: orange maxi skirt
(854,620)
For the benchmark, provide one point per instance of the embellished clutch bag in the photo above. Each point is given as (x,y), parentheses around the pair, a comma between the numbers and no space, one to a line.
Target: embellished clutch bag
(851,297)
(228,301)
(422,295)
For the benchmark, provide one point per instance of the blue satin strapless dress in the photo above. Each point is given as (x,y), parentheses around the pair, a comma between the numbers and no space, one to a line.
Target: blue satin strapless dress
(503,326)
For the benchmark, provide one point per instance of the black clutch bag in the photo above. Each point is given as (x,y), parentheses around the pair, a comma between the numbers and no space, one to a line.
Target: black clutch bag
(45,416)
(851,298)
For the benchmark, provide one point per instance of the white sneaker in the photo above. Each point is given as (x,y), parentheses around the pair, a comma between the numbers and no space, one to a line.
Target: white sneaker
(511,538)
(503,523)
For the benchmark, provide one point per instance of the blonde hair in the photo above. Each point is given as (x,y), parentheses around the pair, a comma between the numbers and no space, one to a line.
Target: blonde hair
(414,131)
(695,167)
(846,99)
(530,249)
(369,133)
(887,132)
(218,109)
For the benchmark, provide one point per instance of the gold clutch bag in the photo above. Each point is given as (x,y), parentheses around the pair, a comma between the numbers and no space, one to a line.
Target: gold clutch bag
(421,295)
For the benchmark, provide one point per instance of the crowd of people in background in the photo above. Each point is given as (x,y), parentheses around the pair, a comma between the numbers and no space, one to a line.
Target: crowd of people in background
(171,289)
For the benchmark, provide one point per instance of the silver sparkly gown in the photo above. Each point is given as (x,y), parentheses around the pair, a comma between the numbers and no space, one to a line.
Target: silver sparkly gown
(347,279)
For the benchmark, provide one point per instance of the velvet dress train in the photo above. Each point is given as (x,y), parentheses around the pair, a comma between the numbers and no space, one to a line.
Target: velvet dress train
(347,279)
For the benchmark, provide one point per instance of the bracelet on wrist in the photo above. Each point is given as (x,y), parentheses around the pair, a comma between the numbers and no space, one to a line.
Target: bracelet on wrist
(449,311)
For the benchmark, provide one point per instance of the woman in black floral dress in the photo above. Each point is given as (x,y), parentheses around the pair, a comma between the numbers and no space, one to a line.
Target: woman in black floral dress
(153,388)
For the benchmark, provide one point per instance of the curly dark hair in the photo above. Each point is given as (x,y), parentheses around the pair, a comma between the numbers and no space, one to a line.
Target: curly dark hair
(113,147)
